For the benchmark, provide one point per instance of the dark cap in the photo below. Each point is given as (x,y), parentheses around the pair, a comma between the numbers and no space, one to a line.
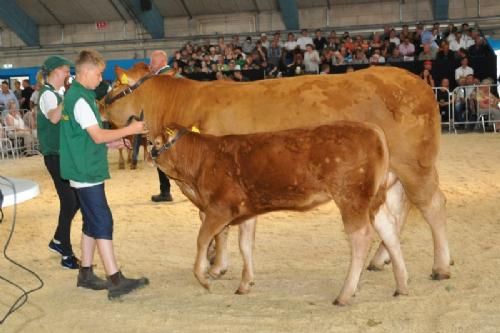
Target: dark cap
(53,62)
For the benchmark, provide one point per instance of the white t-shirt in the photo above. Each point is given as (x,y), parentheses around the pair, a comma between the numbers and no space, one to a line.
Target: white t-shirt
(86,118)
(290,45)
(48,101)
(303,41)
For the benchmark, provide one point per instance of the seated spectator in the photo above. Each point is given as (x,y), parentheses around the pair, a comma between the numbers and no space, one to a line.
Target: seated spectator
(395,56)
(250,64)
(333,41)
(405,33)
(443,98)
(297,67)
(457,42)
(14,121)
(304,39)
(445,54)
(460,54)
(428,53)
(479,49)
(311,60)
(260,51)
(248,46)
(464,69)
(319,41)
(487,102)
(377,58)
(407,50)
(291,42)
(235,41)
(338,58)
(427,77)
(376,42)
(359,57)
(264,41)
(393,38)
(325,69)
(277,39)
(239,77)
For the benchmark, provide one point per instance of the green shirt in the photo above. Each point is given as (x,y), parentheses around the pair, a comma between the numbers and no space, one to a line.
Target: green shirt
(81,159)
(48,133)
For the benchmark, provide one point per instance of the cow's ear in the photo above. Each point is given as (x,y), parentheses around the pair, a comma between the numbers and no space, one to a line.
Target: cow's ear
(122,76)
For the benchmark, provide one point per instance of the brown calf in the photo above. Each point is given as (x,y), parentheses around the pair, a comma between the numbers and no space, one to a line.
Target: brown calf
(236,177)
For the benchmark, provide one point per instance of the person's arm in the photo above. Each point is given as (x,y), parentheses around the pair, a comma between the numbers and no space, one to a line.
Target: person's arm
(9,121)
(54,115)
(49,107)
(100,135)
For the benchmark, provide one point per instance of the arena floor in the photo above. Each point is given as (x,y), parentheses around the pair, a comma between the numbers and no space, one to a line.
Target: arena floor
(301,261)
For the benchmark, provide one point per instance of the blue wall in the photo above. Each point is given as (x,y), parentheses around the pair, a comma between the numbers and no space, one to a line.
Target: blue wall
(109,72)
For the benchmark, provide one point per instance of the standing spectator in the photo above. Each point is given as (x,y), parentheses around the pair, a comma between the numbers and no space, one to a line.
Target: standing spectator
(54,72)
(304,39)
(83,151)
(457,42)
(277,39)
(236,41)
(26,95)
(443,98)
(407,49)
(264,41)
(320,42)
(34,98)
(464,69)
(427,76)
(311,59)
(5,96)
(17,91)
(291,42)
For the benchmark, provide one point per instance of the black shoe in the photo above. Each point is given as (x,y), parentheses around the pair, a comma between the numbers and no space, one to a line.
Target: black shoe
(125,285)
(162,197)
(56,246)
(87,279)
(70,262)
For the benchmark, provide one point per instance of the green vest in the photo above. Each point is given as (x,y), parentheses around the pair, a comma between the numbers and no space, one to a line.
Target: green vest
(48,133)
(81,159)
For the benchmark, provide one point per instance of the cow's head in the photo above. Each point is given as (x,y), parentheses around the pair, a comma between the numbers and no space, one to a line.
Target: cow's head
(119,111)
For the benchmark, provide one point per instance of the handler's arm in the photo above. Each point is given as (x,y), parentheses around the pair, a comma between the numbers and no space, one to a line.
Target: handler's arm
(100,135)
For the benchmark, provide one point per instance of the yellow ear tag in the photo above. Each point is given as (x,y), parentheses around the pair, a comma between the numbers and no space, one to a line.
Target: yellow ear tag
(124,79)
(195,129)
(169,132)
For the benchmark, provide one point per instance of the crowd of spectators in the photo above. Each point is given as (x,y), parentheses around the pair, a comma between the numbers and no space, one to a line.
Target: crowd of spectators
(279,55)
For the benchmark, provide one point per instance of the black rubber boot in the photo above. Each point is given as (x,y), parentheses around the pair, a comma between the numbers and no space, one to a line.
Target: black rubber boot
(162,197)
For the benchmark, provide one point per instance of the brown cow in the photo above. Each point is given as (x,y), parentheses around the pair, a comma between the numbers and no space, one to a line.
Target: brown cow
(394,99)
(236,177)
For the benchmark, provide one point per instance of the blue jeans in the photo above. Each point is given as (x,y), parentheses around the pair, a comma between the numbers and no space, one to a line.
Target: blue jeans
(97,218)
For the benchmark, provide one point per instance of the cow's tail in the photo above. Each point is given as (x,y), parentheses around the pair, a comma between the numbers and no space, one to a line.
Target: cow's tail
(384,177)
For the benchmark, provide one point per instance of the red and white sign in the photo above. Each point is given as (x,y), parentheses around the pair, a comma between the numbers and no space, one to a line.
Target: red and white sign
(101,25)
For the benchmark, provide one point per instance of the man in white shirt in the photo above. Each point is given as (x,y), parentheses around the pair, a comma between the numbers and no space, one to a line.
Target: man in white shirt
(304,39)
(463,70)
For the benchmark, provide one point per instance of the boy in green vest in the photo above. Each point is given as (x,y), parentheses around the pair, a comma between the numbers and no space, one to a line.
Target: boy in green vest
(83,155)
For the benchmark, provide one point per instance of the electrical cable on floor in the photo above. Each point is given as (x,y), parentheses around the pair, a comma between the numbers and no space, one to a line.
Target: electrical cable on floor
(21,300)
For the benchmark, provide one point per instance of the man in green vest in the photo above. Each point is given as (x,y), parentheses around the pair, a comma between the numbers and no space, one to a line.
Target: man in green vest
(54,71)
(83,155)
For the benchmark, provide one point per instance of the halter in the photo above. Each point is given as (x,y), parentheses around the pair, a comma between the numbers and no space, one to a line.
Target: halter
(108,100)
(156,152)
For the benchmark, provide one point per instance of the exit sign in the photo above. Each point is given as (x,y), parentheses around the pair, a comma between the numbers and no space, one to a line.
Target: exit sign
(101,25)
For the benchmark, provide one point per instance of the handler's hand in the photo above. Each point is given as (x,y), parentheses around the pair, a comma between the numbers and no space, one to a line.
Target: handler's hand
(117,144)
(137,127)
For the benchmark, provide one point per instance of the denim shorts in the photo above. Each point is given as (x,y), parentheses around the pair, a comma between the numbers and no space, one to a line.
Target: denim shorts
(97,218)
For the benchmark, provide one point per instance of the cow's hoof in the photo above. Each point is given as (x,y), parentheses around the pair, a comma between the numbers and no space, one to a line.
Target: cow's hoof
(215,273)
(439,276)
(339,303)
(133,166)
(375,268)
(452,262)
(242,291)
(400,293)
(121,166)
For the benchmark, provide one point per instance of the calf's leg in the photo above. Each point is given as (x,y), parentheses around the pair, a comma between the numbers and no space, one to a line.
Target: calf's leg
(388,232)
(396,208)
(360,245)
(246,242)
(210,227)
(220,260)
(121,160)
